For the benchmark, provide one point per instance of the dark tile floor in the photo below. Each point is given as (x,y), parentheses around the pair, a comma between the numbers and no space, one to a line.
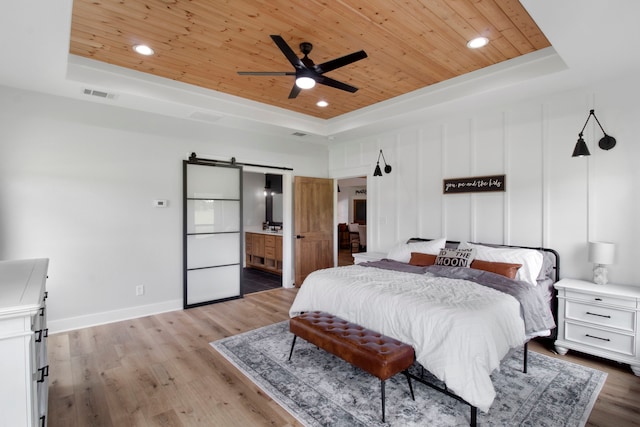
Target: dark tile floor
(254,280)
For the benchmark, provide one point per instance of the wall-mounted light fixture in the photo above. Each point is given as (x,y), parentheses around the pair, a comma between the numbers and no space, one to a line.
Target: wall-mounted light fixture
(387,168)
(607,142)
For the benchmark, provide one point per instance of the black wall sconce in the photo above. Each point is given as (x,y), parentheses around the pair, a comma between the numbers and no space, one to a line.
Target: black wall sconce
(387,168)
(607,142)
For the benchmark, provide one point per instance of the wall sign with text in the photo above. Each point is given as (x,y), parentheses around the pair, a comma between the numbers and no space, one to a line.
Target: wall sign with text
(475,184)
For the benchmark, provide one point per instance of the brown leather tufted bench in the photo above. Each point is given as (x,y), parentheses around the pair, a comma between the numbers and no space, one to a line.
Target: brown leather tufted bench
(375,353)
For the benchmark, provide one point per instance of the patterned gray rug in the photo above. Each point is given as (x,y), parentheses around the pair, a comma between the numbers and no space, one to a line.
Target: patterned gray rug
(320,389)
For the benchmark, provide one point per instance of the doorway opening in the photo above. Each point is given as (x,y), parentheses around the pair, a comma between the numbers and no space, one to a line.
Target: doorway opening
(352,218)
(262,223)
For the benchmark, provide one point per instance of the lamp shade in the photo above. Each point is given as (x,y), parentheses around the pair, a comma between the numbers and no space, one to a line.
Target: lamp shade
(602,252)
(581,148)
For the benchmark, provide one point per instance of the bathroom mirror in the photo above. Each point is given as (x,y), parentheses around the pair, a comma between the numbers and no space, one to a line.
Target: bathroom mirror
(273,199)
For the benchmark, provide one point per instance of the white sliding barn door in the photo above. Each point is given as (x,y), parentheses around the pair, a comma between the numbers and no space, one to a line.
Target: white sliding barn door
(212,232)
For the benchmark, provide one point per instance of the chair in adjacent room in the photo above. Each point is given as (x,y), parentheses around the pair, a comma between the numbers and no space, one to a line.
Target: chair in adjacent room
(362,235)
(343,236)
(354,237)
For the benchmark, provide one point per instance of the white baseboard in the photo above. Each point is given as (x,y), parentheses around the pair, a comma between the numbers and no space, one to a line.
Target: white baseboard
(71,323)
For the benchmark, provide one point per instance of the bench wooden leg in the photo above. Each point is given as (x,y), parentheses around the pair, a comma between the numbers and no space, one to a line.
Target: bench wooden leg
(292,345)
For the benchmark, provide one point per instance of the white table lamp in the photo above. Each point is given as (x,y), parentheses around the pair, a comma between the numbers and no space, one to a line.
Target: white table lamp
(601,254)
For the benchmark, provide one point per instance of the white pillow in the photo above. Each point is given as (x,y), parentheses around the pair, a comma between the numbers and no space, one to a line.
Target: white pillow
(402,251)
(431,247)
(530,259)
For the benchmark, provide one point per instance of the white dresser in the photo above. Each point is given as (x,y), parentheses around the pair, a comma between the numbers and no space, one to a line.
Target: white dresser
(24,365)
(602,320)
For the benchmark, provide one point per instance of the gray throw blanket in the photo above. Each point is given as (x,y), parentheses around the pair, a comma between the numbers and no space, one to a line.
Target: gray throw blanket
(535,311)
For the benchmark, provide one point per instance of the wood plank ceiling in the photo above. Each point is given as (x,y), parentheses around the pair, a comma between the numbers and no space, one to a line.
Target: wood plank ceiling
(410,44)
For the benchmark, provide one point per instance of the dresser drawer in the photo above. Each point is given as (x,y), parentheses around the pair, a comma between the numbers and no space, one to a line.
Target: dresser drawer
(599,315)
(598,338)
(270,253)
(270,241)
(600,299)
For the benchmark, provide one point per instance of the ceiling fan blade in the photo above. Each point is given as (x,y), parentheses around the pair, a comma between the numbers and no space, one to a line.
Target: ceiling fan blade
(267,73)
(295,90)
(334,83)
(288,52)
(340,62)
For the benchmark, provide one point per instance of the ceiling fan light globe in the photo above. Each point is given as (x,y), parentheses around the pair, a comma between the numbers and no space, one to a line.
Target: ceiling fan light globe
(305,82)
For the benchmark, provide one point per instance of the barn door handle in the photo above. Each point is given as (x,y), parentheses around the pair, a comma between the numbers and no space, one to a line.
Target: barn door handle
(299,237)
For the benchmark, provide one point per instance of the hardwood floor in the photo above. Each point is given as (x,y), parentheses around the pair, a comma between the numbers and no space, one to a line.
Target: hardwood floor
(161,371)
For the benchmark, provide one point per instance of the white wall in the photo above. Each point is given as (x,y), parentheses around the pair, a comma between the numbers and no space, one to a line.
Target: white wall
(552,199)
(77,181)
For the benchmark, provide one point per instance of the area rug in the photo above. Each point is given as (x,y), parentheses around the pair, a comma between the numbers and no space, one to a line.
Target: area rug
(320,389)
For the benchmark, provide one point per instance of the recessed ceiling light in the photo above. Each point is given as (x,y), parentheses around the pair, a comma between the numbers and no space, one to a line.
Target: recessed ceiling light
(143,49)
(322,103)
(477,42)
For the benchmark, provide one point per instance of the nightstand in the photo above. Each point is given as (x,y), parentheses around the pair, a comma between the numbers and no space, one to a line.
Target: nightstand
(367,256)
(602,320)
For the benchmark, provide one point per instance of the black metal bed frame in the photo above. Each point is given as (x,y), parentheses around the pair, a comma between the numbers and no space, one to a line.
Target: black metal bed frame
(474,410)
(445,390)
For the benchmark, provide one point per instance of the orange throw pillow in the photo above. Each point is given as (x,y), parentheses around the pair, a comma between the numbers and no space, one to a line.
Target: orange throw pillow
(421,259)
(503,268)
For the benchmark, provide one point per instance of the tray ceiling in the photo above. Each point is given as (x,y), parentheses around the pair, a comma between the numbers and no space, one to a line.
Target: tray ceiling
(410,44)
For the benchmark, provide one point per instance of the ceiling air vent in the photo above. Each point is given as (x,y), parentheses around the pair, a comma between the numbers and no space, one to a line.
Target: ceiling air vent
(99,94)
(299,134)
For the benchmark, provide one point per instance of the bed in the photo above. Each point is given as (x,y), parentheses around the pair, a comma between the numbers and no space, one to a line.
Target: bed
(462,319)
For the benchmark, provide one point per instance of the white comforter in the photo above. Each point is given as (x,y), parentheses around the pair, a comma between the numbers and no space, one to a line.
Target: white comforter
(460,330)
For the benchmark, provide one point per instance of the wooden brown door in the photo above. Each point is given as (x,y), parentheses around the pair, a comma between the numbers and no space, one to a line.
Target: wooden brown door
(313,225)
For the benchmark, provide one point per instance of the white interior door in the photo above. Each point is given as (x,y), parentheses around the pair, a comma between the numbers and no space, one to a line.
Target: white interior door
(212,232)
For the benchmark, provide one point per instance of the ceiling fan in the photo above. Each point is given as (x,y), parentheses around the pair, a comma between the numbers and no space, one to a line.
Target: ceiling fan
(307,73)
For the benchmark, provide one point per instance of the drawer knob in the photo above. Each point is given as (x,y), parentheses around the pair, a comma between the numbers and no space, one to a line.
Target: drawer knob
(598,338)
(599,315)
